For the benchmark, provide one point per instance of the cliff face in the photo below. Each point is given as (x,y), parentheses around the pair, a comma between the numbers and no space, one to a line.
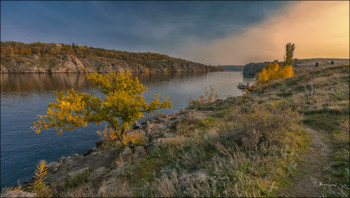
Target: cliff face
(70,63)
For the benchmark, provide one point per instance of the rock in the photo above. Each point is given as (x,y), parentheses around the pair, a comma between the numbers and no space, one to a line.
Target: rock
(90,151)
(105,143)
(75,155)
(71,64)
(99,143)
(97,173)
(34,56)
(78,172)
(96,153)
(62,159)
(107,187)
(147,128)
(3,69)
(119,170)
(136,125)
(53,166)
(42,70)
(139,152)
(19,194)
(126,155)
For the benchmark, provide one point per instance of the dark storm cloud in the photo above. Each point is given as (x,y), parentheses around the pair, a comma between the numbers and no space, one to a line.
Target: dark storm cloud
(130,26)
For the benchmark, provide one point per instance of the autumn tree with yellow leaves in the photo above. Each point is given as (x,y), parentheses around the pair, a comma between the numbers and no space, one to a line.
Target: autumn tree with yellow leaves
(275,71)
(121,107)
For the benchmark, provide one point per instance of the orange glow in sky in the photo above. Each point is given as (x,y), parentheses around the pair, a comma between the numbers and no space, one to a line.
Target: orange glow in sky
(318,29)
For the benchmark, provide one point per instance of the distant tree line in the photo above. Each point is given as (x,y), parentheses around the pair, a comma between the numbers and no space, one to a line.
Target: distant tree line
(11,48)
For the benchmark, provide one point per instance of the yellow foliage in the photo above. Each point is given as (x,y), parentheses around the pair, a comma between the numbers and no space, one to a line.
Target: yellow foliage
(63,115)
(275,71)
(39,185)
(136,137)
(121,107)
(10,189)
(209,97)
(26,51)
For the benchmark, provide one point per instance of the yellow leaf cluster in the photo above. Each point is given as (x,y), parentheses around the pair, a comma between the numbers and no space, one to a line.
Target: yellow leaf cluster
(63,114)
(275,71)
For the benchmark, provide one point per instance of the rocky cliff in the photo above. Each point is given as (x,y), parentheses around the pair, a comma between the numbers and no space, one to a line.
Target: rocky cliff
(70,63)
(18,57)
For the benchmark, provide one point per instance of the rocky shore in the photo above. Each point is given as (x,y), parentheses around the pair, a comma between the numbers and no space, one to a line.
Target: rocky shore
(106,161)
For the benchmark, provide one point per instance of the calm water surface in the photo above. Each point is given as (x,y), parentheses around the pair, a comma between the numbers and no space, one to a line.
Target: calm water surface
(24,96)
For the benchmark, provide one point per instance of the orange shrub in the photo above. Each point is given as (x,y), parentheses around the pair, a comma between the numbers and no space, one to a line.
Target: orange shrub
(275,71)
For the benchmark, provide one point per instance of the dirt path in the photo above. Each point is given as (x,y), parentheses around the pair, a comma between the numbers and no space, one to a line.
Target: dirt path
(309,179)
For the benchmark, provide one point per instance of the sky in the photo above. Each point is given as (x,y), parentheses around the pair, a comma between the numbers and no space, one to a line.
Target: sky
(225,33)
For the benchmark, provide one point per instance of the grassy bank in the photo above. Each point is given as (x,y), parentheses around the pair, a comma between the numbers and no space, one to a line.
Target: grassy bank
(321,96)
(254,145)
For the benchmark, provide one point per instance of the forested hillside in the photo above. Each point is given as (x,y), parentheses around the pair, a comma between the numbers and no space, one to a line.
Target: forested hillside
(18,57)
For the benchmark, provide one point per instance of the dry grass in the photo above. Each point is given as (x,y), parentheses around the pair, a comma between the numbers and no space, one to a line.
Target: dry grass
(250,149)
(117,189)
(187,125)
(87,190)
(240,157)
(322,97)
(184,185)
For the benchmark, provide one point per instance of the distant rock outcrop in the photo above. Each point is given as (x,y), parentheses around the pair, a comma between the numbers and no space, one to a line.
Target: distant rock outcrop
(251,69)
(73,64)
(232,67)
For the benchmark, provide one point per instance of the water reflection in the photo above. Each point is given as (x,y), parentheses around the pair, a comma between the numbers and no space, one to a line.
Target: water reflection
(40,82)
(248,80)
(24,96)
(12,83)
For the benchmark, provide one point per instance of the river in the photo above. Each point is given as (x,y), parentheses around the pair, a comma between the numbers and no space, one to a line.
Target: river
(24,96)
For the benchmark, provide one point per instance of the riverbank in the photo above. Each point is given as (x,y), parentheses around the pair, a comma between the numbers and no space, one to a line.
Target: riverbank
(258,144)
